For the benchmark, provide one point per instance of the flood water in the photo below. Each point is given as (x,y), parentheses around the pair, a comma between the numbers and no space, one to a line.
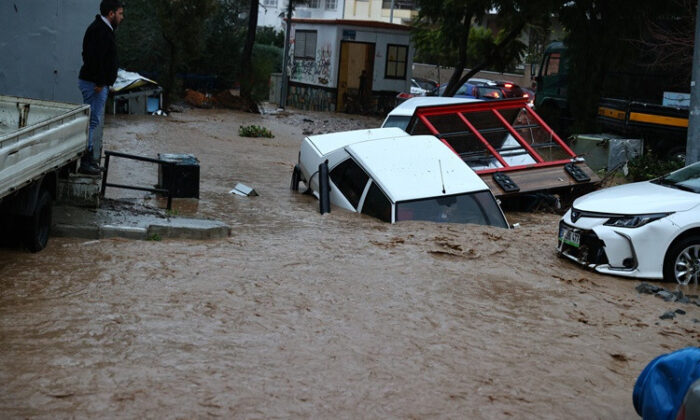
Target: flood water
(300,315)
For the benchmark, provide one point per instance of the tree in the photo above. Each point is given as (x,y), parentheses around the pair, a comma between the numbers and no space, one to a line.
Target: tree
(669,41)
(247,56)
(453,21)
(182,27)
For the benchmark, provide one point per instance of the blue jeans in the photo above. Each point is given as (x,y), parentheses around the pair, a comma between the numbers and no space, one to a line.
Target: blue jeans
(97,101)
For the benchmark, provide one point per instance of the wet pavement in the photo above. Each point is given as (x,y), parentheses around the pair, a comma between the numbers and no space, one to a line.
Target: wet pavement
(132,220)
(299,315)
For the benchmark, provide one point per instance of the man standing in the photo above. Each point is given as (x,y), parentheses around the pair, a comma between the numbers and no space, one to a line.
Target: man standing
(99,71)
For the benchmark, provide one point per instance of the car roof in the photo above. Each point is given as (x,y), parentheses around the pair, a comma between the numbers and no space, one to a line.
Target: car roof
(414,167)
(407,108)
(326,143)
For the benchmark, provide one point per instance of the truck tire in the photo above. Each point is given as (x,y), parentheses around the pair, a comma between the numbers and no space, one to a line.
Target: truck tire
(38,225)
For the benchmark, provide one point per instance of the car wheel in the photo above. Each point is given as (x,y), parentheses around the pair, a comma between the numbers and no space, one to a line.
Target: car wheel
(682,262)
(38,225)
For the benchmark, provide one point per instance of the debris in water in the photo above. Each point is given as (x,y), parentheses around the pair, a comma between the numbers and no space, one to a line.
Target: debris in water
(668,315)
(243,190)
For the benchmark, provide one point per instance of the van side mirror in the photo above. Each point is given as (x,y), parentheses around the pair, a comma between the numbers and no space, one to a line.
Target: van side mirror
(324,188)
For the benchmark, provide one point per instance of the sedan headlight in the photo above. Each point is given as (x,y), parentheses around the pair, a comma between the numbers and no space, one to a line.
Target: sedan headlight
(634,221)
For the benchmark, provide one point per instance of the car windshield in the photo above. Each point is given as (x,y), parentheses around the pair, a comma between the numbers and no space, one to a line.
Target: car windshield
(400,121)
(478,208)
(687,178)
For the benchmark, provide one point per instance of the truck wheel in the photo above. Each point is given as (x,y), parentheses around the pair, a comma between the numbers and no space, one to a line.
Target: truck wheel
(682,262)
(38,225)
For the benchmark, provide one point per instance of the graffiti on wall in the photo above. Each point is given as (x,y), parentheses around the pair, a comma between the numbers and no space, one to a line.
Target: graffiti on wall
(317,71)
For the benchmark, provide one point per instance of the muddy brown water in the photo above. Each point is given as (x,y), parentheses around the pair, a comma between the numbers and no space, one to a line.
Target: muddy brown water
(299,315)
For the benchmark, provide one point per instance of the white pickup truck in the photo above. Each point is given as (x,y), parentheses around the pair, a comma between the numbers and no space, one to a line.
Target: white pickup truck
(40,141)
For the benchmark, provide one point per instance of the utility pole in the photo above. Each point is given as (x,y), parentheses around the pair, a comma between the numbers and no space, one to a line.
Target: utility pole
(285,59)
(391,13)
(692,152)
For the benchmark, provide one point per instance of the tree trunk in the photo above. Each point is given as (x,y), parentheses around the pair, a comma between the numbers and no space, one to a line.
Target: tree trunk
(247,58)
(454,84)
(452,89)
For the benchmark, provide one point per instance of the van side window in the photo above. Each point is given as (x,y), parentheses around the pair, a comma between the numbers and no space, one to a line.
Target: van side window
(553,64)
(376,204)
(350,180)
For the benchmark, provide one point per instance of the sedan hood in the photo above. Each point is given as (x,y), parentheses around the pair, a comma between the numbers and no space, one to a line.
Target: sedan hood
(638,198)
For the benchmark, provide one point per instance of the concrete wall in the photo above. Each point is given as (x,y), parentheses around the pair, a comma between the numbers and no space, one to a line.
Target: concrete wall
(40,46)
(430,71)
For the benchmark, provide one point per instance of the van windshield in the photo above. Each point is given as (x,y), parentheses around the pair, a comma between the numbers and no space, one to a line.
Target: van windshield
(477,208)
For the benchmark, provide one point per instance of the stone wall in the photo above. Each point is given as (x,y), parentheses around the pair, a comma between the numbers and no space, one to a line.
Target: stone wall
(312,98)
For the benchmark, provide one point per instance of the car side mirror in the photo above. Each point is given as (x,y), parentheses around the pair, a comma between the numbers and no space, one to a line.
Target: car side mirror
(324,188)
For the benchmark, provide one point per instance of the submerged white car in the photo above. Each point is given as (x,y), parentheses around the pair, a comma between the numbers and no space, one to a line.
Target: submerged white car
(388,174)
(647,229)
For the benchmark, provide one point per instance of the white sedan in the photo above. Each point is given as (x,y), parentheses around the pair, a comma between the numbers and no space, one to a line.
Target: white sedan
(646,229)
(388,174)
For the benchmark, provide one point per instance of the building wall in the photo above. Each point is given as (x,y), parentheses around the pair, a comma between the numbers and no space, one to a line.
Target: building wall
(381,39)
(323,71)
(40,46)
(272,12)
(373,10)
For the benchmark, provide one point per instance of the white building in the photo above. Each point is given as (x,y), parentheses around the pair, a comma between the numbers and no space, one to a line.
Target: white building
(348,65)
(272,12)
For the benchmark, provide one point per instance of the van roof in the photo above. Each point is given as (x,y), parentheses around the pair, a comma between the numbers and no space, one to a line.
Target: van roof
(414,167)
(407,107)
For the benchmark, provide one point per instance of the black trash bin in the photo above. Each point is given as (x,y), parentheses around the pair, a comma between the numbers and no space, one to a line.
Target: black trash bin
(182,176)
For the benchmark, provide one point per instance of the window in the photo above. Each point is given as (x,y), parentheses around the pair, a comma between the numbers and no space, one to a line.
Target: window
(331,4)
(350,180)
(396,59)
(399,4)
(552,65)
(376,204)
(305,44)
(313,4)
(270,3)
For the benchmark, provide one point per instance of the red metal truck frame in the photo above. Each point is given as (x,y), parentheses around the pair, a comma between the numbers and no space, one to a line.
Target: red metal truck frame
(463,110)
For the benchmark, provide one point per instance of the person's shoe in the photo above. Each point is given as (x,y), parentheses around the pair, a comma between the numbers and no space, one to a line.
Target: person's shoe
(88,169)
(96,164)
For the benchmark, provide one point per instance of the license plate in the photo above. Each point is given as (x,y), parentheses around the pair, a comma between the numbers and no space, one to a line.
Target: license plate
(569,237)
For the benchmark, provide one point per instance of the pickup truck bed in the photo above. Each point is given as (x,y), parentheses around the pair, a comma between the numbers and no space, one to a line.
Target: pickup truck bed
(37,137)
(40,141)
(663,128)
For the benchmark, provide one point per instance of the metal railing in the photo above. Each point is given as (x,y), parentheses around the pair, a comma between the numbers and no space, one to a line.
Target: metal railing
(105,184)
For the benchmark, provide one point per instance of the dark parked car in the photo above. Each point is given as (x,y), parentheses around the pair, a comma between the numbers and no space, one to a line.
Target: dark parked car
(486,89)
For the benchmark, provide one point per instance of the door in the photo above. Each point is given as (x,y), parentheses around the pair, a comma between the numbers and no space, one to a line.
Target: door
(355,72)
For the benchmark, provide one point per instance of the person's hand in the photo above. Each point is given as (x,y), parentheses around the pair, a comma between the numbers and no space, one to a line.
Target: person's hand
(98,89)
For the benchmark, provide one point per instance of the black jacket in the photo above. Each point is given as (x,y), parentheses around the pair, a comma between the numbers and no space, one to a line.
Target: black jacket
(99,54)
